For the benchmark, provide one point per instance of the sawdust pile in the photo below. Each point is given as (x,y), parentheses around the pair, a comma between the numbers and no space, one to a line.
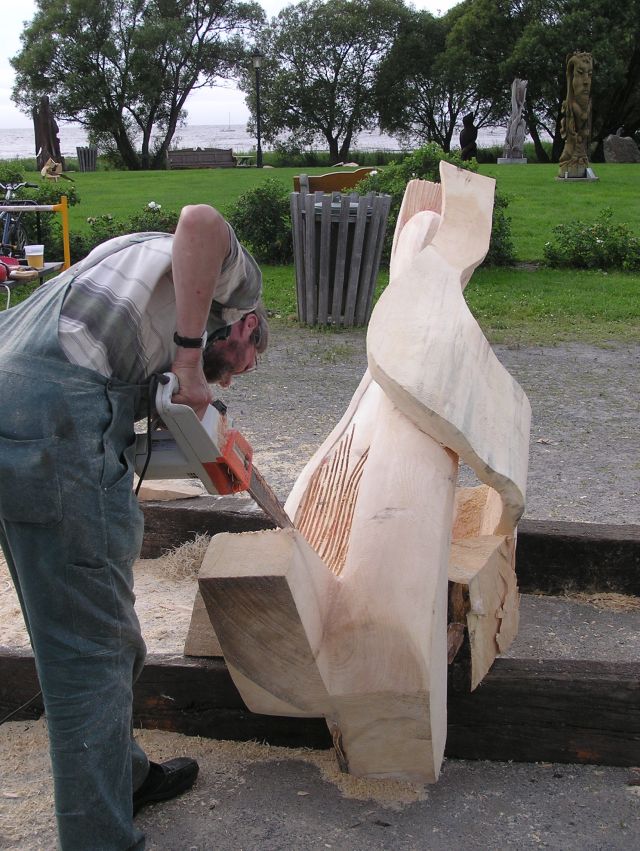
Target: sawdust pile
(608,601)
(12,629)
(27,821)
(165,590)
(184,561)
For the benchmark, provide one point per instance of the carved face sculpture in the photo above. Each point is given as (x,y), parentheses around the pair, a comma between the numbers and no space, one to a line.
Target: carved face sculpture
(581,78)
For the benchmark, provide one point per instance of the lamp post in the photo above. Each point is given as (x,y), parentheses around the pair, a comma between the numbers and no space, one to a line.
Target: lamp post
(257,62)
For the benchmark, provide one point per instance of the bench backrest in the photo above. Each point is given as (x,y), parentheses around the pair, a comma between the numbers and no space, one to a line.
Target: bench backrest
(333,181)
(201,158)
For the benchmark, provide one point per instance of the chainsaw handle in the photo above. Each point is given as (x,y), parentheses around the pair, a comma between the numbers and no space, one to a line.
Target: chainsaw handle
(168,385)
(167,388)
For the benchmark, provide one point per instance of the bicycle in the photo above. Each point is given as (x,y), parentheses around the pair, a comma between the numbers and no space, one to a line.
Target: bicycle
(14,234)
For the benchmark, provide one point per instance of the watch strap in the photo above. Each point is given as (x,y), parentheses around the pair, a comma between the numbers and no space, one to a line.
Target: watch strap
(190,342)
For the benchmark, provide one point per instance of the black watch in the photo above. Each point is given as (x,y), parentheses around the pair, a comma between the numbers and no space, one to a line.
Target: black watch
(190,342)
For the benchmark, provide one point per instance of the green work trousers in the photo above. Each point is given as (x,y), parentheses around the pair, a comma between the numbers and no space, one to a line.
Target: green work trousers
(71,529)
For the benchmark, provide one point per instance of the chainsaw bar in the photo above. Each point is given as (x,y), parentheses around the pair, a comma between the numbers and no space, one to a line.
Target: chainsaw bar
(267,500)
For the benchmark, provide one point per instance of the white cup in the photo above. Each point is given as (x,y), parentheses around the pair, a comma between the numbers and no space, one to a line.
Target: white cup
(34,255)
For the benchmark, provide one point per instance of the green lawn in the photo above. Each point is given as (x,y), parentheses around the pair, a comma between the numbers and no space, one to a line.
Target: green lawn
(122,193)
(521,305)
(546,306)
(538,202)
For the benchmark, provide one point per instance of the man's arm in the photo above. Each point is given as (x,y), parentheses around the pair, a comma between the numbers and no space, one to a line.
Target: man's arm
(200,246)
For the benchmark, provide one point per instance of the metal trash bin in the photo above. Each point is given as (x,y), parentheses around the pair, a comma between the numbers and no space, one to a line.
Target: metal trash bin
(87,158)
(337,246)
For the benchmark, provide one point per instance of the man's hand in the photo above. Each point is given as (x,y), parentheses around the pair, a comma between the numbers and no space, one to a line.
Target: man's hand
(193,389)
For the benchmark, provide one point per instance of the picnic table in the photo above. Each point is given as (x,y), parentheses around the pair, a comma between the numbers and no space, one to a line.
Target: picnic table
(25,274)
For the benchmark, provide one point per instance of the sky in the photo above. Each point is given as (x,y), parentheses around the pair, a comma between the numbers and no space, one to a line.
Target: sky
(216,105)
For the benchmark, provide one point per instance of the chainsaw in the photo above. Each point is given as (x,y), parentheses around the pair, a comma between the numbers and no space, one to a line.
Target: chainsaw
(208,449)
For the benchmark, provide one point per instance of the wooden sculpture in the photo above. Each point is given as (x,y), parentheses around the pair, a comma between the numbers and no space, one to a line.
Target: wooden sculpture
(576,120)
(346,616)
(513,147)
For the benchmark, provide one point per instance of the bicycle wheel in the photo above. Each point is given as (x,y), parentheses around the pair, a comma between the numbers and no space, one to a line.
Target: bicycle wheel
(6,247)
(18,239)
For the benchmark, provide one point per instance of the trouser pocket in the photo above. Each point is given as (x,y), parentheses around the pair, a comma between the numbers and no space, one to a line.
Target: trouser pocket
(29,484)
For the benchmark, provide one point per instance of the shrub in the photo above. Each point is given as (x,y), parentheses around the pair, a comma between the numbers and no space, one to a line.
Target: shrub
(371,157)
(47,192)
(593,245)
(261,219)
(489,155)
(153,218)
(10,172)
(101,228)
(501,249)
(424,164)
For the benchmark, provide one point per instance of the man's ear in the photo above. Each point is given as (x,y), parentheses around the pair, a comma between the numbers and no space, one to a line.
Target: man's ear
(250,322)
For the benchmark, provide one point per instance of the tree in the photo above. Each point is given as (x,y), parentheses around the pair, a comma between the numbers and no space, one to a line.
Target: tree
(425,86)
(530,39)
(320,65)
(124,68)
(612,35)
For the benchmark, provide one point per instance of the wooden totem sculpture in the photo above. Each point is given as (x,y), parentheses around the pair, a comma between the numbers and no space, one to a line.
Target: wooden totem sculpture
(346,616)
(576,120)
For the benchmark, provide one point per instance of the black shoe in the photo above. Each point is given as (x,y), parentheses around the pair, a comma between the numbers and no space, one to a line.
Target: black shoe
(166,780)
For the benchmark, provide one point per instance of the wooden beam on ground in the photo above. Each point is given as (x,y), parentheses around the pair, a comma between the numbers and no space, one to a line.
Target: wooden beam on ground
(532,710)
(552,556)
(556,557)
(169,524)
(524,710)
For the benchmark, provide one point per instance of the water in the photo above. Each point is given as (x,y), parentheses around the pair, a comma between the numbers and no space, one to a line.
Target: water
(20,142)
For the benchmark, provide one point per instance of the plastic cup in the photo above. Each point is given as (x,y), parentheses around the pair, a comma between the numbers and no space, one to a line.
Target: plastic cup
(34,255)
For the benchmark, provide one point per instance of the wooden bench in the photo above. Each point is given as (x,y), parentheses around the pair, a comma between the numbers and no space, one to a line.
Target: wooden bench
(333,181)
(201,158)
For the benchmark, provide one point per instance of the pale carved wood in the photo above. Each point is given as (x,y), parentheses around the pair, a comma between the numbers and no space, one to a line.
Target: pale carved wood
(483,592)
(346,615)
(164,490)
(201,638)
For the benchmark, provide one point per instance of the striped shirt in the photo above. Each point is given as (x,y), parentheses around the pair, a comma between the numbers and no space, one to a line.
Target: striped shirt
(119,314)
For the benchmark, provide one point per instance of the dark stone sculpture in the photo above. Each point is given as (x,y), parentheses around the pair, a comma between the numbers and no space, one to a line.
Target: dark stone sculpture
(576,121)
(468,136)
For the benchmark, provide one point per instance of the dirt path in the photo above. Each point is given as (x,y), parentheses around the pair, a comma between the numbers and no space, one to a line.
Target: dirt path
(584,459)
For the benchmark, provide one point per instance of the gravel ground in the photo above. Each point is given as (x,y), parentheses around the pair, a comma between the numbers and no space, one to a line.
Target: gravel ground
(584,466)
(249,797)
(584,461)
(565,628)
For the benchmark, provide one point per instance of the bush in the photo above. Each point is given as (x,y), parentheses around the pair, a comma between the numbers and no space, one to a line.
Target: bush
(424,164)
(47,192)
(489,155)
(288,154)
(101,228)
(153,218)
(371,157)
(594,245)
(261,219)
(10,172)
